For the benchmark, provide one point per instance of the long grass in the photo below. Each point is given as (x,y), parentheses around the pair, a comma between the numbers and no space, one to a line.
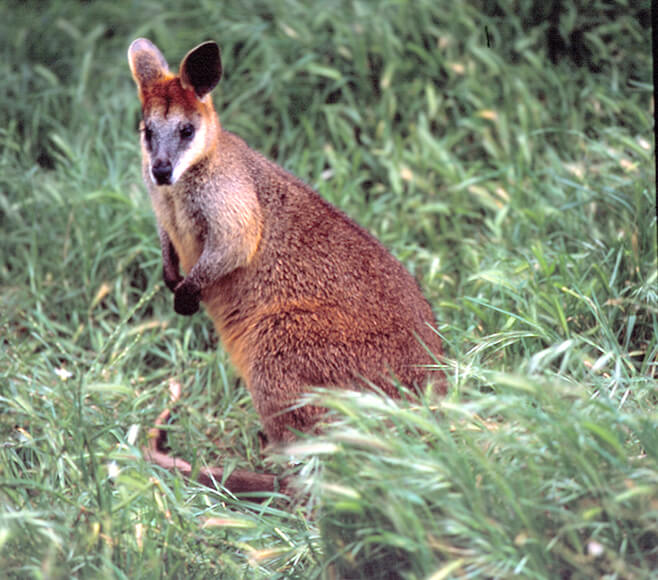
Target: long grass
(504,155)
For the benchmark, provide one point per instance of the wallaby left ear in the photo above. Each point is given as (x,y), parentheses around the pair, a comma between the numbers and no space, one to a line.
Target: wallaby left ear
(201,69)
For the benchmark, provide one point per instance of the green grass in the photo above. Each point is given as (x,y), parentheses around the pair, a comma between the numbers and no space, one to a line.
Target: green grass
(520,192)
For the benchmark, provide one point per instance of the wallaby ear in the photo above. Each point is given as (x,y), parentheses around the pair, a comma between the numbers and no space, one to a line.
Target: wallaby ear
(201,69)
(146,62)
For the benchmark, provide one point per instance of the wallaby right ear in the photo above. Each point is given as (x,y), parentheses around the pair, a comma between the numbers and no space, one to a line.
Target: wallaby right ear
(146,62)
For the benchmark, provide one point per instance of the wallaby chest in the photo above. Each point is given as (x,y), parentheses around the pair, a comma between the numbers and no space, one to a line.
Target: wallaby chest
(180,212)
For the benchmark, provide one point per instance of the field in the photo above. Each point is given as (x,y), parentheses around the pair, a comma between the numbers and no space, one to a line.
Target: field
(503,152)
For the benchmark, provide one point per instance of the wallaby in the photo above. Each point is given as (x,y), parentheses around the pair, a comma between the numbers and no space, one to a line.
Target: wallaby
(301,296)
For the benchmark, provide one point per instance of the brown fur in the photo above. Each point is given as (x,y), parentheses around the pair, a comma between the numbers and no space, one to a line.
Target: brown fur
(300,295)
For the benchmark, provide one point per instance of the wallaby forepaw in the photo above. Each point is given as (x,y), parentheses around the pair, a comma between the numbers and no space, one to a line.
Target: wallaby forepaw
(186,299)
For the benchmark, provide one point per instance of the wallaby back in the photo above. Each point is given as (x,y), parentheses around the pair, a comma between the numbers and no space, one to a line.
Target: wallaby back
(300,295)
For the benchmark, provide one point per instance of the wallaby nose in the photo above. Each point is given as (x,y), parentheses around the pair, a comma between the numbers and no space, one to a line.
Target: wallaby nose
(161,171)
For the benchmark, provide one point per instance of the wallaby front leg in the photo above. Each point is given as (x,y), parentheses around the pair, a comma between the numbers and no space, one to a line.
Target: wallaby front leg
(224,251)
(210,267)
(170,268)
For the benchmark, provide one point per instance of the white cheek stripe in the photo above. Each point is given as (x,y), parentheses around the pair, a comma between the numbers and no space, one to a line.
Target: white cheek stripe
(176,173)
(192,153)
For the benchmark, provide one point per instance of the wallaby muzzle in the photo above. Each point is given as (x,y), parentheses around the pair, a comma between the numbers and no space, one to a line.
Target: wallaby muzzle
(161,171)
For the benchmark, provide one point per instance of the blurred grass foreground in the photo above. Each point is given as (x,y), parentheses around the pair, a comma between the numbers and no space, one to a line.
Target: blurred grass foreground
(502,150)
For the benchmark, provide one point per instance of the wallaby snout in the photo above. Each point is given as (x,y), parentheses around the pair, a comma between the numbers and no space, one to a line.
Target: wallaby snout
(161,171)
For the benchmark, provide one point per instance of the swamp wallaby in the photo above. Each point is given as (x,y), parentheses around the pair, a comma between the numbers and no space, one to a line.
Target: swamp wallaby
(300,295)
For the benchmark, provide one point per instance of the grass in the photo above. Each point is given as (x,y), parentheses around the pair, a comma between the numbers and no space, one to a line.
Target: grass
(521,193)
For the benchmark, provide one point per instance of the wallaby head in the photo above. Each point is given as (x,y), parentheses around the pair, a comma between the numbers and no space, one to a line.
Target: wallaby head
(179,123)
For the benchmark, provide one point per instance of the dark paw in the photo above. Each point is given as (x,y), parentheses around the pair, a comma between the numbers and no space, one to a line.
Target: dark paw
(186,299)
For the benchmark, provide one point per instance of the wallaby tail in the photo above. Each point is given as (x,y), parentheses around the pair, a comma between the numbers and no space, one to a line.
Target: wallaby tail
(238,481)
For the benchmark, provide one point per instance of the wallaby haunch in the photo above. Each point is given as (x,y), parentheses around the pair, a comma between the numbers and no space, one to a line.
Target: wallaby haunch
(300,295)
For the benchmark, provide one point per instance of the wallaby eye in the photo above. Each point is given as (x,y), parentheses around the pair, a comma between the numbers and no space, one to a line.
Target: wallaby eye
(148,134)
(187,131)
